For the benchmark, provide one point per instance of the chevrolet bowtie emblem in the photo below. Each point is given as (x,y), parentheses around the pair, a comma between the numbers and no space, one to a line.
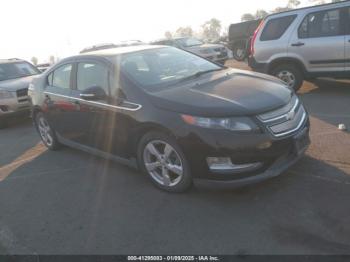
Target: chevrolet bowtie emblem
(290,115)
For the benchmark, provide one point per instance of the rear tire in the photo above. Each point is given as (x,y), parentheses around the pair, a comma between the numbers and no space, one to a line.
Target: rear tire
(239,53)
(46,132)
(290,74)
(160,157)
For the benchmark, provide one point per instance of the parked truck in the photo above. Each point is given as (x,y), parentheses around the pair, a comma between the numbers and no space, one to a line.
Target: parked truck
(240,35)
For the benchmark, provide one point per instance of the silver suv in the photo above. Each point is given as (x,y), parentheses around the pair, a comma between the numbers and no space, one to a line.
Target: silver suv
(15,77)
(304,44)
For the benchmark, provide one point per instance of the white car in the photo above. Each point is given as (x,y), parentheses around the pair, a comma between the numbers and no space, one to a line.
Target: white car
(15,77)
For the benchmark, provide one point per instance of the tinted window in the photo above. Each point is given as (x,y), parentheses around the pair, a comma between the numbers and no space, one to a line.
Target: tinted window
(61,76)
(321,24)
(162,66)
(16,70)
(275,28)
(92,74)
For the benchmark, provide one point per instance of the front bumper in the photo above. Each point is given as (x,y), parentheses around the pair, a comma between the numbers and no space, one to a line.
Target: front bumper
(13,107)
(279,156)
(277,168)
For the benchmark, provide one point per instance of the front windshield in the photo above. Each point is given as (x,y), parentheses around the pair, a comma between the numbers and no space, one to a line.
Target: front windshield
(16,70)
(188,42)
(163,66)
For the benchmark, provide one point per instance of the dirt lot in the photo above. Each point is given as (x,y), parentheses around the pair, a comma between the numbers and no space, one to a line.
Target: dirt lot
(68,202)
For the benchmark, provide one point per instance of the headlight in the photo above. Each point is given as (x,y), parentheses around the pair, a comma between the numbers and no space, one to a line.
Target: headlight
(232,123)
(5,94)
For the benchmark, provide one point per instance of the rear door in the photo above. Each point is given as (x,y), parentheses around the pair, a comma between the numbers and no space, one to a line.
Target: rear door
(319,41)
(58,107)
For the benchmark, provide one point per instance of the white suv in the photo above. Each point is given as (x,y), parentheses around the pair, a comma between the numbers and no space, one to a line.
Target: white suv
(304,44)
(15,77)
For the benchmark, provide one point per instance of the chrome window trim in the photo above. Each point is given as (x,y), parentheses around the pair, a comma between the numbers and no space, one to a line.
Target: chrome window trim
(138,106)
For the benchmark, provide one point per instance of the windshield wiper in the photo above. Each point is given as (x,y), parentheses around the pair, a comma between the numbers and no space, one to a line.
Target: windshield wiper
(199,73)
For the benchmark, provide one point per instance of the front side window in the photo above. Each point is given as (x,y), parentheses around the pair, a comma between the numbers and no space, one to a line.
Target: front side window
(163,66)
(92,74)
(276,27)
(321,24)
(16,70)
(61,76)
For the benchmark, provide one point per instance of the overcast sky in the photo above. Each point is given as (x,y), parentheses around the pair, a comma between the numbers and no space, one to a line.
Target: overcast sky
(63,27)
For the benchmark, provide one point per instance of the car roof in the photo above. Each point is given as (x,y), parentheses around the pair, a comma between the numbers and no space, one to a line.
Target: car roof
(11,60)
(316,7)
(121,50)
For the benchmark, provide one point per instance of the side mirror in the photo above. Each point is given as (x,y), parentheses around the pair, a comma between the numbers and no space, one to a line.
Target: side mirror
(93,93)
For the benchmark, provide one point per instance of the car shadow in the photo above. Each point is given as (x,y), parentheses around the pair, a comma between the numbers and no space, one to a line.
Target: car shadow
(328,100)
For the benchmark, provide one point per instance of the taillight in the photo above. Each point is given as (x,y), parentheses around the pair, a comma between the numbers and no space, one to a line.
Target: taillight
(252,51)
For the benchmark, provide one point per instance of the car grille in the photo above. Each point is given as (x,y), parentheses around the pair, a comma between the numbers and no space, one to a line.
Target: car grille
(286,119)
(22,92)
(22,95)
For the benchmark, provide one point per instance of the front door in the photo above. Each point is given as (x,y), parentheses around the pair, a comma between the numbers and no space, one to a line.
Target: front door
(95,122)
(319,41)
(58,107)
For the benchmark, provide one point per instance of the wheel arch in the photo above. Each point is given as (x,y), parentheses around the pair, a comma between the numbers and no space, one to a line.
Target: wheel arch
(287,60)
(142,130)
(35,110)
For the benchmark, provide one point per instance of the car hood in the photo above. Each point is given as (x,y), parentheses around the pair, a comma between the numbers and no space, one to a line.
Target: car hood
(16,84)
(225,93)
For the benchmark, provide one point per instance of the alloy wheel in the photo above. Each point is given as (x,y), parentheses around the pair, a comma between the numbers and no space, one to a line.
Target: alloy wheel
(45,131)
(163,163)
(287,77)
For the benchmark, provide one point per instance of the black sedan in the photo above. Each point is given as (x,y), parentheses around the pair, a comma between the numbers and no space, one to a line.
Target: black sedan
(176,116)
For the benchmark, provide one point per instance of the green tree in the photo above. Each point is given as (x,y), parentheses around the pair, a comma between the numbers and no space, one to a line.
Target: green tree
(34,60)
(212,29)
(293,3)
(260,14)
(184,31)
(247,17)
(168,35)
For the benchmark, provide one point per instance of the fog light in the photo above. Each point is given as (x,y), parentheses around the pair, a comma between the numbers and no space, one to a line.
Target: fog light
(225,164)
(265,145)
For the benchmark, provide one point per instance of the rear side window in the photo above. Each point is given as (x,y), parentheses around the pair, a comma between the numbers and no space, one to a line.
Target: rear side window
(321,24)
(61,76)
(276,27)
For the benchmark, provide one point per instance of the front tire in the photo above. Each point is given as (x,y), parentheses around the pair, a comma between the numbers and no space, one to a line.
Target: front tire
(160,157)
(46,132)
(289,74)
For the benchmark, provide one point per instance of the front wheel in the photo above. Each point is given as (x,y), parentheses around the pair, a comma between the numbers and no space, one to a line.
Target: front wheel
(163,161)
(46,132)
(289,74)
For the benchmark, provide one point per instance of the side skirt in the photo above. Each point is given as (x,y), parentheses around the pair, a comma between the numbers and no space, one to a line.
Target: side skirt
(125,161)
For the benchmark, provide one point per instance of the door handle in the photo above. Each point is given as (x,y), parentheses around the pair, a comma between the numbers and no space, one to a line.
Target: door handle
(298,44)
